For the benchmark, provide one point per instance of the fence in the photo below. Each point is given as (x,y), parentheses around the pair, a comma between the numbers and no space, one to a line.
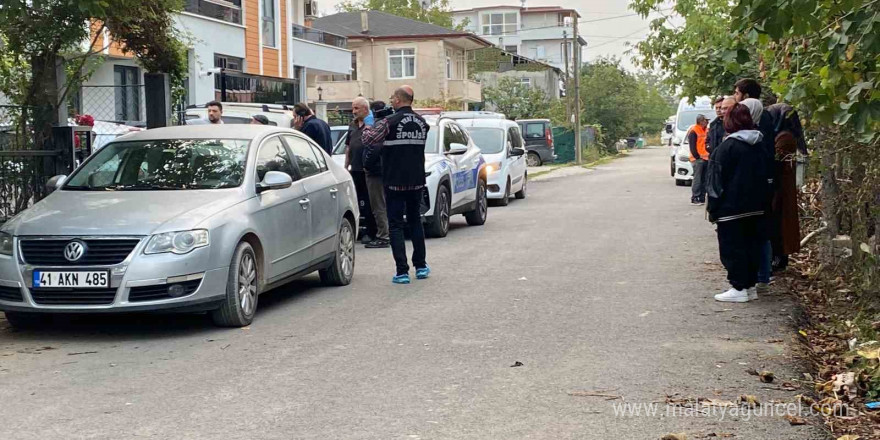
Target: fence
(122,104)
(563,142)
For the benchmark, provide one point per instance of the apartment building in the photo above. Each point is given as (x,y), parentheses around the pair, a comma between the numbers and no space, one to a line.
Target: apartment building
(389,51)
(239,50)
(542,33)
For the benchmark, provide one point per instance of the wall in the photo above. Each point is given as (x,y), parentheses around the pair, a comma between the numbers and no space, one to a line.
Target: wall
(546,80)
(208,37)
(553,54)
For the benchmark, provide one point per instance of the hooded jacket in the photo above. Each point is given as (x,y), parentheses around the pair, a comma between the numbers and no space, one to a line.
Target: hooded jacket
(739,178)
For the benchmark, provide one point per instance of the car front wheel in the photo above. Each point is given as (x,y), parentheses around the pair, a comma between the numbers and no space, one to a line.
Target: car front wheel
(341,271)
(439,225)
(477,217)
(521,194)
(242,290)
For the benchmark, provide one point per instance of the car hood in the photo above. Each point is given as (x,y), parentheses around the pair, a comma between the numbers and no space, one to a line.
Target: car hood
(120,212)
(493,157)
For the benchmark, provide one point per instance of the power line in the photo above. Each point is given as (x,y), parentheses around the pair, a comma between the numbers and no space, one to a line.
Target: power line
(619,38)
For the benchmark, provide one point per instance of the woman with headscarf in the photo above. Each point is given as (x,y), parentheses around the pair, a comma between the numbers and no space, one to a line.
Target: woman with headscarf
(764,124)
(785,221)
(738,191)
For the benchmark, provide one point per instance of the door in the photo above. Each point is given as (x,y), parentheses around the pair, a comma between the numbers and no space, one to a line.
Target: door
(126,80)
(322,191)
(284,225)
(517,163)
(464,179)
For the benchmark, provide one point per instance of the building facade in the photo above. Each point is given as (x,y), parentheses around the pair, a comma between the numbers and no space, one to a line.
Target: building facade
(389,51)
(239,50)
(540,33)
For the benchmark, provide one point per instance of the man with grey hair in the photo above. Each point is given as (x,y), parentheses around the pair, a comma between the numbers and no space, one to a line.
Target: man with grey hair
(354,163)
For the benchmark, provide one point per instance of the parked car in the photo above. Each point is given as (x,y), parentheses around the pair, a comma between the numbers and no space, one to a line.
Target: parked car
(279,115)
(201,218)
(456,180)
(539,141)
(503,148)
(473,115)
(338,134)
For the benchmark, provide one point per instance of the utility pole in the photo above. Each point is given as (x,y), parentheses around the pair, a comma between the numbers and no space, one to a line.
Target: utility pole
(565,79)
(577,93)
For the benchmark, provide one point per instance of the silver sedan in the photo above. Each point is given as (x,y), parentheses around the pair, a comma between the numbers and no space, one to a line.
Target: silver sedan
(201,218)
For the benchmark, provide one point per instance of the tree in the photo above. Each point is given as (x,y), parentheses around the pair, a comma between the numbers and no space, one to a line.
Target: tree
(40,37)
(438,13)
(610,97)
(515,100)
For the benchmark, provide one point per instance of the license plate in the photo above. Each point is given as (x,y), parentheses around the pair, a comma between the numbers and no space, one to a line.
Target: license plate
(71,279)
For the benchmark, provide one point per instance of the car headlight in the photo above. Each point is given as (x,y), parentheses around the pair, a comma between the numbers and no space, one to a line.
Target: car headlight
(180,242)
(5,244)
(493,167)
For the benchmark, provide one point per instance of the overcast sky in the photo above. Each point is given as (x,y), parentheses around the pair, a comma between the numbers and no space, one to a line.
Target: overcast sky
(604,38)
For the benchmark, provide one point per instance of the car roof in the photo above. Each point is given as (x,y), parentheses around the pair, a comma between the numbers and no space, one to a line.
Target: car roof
(472,115)
(532,120)
(488,123)
(206,131)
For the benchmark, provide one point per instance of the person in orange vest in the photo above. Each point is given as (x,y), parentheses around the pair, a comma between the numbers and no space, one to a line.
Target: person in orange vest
(699,159)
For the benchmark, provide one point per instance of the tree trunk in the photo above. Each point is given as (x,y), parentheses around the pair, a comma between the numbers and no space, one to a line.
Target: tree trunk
(830,188)
(43,99)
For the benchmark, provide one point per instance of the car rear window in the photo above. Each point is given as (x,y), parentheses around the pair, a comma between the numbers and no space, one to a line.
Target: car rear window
(534,130)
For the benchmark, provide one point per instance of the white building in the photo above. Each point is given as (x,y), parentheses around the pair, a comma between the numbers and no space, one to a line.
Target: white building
(266,52)
(539,33)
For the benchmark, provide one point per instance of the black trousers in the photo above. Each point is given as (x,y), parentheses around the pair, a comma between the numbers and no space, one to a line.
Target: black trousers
(363,195)
(740,242)
(399,203)
(698,186)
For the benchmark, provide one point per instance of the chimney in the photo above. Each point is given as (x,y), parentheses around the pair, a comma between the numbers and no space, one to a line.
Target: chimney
(365,22)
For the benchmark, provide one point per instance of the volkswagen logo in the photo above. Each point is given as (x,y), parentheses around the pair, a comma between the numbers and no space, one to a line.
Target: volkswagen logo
(74,251)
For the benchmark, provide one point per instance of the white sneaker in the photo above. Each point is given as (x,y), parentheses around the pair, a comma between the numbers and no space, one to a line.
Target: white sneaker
(733,295)
(753,294)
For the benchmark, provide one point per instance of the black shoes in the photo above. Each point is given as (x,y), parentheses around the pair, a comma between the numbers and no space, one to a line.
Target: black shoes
(378,243)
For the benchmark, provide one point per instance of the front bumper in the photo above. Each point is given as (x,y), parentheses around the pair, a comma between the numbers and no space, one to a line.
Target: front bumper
(139,283)
(496,184)
(684,170)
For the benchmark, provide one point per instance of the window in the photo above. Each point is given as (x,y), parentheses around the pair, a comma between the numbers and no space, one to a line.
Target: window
(354,66)
(305,157)
(269,23)
(319,154)
(448,64)
(401,63)
(128,93)
(563,19)
(511,49)
(525,82)
(453,134)
(273,157)
(535,130)
(226,10)
(228,62)
(513,138)
(499,23)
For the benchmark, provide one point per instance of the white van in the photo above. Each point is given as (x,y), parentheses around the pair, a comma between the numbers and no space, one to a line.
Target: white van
(686,116)
(667,133)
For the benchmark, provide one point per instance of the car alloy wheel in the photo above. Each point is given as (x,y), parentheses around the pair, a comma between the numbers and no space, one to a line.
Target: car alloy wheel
(443,201)
(533,160)
(521,194)
(478,216)
(346,249)
(247,283)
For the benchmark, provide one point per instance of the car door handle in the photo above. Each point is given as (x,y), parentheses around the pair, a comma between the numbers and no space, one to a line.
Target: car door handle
(305,203)
(333,192)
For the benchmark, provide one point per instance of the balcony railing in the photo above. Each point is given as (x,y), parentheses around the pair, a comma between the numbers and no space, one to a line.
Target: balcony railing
(225,10)
(309,34)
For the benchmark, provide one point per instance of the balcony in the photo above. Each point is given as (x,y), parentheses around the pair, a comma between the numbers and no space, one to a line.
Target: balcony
(466,90)
(320,52)
(223,10)
(340,91)
(316,36)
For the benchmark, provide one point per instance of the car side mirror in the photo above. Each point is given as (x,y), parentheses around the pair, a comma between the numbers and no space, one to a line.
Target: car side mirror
(55,182)
(456,148)
(669,130)
(274,180)
(517,152)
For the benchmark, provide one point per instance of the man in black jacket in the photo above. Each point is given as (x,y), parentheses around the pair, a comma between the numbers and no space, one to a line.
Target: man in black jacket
(716,127)
(354,163)
(372,162)
(402,138)
(309,124)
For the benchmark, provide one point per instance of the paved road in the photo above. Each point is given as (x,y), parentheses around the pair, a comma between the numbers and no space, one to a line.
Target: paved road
(598,282)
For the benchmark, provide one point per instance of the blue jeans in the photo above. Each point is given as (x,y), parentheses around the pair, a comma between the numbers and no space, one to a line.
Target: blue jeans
(765,265)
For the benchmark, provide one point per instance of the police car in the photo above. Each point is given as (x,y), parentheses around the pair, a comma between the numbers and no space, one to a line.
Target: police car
(455,175)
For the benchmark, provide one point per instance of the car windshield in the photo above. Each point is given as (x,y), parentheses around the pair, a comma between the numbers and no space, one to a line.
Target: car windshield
(488,140)
(165,164)
(687,119)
